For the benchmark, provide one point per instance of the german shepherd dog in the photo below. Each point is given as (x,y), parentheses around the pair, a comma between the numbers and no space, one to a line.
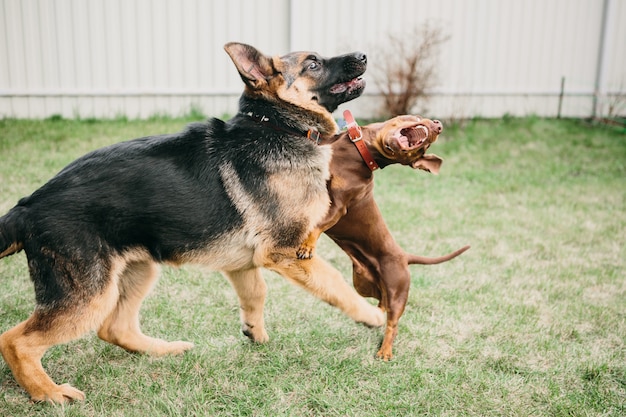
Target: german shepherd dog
(236,196)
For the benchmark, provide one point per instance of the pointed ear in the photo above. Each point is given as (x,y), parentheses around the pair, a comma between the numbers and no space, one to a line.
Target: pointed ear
(254,67)
(429,163)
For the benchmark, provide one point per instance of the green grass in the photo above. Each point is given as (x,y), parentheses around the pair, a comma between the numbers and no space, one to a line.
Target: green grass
(530,321)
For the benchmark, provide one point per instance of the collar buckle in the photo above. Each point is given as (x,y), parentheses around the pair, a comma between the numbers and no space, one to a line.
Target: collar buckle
(354,130)
(355,133)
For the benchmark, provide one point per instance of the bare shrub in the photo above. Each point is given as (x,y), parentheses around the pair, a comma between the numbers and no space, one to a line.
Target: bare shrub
(613,107)
(616,105)
(405,68)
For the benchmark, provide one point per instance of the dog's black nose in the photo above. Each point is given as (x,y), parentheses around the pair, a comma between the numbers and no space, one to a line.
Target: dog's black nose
(361,57)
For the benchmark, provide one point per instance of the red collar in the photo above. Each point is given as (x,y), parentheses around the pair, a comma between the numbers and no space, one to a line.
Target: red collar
(356,136)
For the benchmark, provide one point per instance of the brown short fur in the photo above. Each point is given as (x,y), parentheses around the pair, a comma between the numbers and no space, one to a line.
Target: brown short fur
(354,222)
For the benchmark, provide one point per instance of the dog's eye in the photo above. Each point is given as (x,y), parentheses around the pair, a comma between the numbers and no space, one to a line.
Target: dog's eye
(314,65)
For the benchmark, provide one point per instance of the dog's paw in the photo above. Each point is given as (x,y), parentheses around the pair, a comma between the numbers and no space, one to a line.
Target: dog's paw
(254,334)
(162,348)
(179,347)
(61,394)
(305,252)
(372,316)
(384,354)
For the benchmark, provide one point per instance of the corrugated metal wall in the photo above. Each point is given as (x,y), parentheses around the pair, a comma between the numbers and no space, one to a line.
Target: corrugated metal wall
(106,58)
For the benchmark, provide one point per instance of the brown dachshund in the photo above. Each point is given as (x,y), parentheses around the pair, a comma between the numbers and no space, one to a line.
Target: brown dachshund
(354,222)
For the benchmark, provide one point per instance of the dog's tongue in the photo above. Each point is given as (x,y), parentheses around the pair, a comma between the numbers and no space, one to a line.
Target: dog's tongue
(341,87)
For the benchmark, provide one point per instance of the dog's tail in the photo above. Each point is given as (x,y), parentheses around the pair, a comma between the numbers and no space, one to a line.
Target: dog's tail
(11,240)
(423,260)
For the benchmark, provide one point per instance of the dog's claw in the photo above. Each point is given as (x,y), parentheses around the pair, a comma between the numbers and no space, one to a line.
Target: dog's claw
(384,355)
(62,394)
(304,253)
(255,336)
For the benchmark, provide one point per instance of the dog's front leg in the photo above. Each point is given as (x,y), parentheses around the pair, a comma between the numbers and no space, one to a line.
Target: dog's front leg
(251,290)
(326,283)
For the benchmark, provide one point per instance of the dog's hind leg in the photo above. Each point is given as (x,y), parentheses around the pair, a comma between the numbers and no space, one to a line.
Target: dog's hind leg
(121,327)
(326,283)
(23,346)
(251,289)
(22,350)
(394,298)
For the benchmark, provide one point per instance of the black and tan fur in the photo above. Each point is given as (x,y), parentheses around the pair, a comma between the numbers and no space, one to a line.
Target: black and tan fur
(236,196)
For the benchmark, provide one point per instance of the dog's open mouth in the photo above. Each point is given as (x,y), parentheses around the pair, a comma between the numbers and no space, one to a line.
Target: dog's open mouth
(412,137)
(348,87)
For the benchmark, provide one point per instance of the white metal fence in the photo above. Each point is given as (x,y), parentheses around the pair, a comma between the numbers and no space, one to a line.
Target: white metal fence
(137,58)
